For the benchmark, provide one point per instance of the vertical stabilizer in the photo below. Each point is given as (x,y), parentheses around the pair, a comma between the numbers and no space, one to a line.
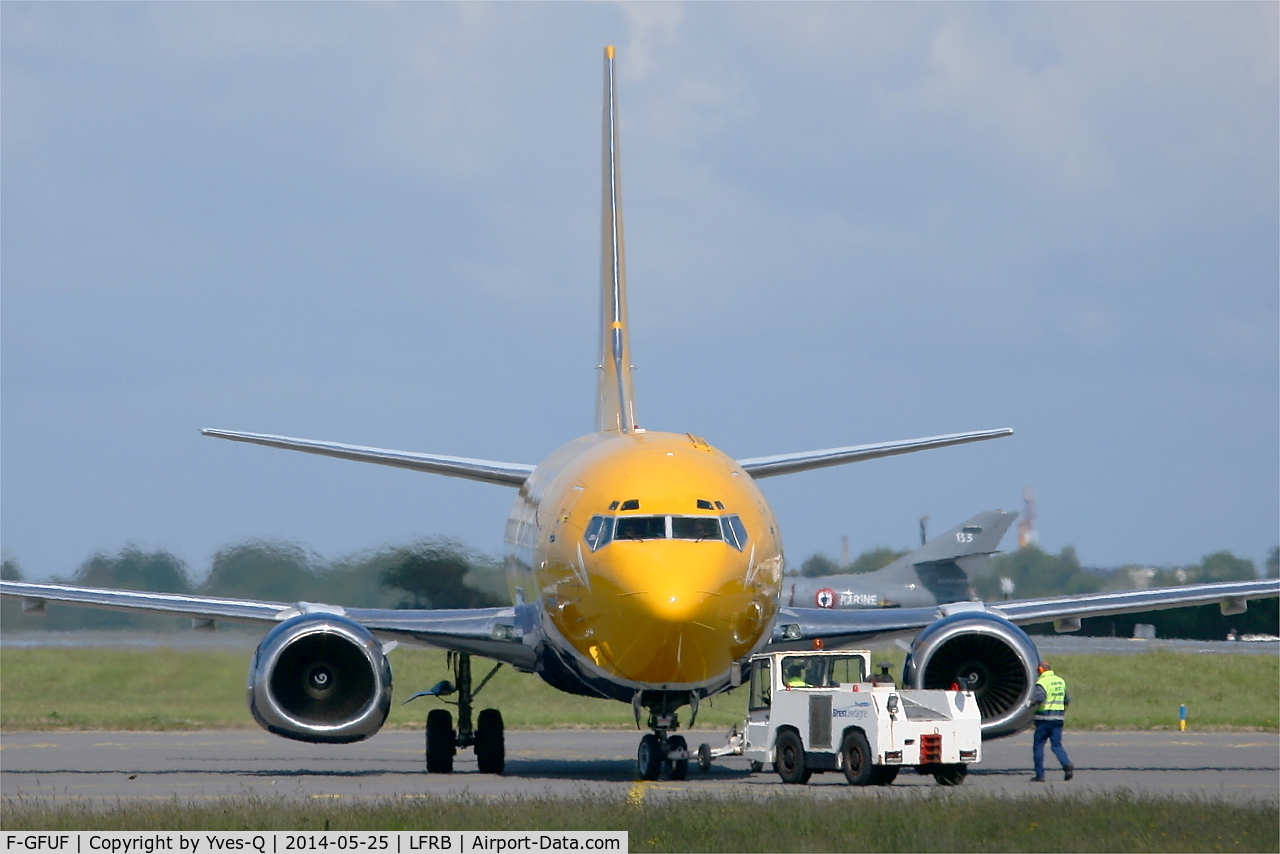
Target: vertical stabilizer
(615,400)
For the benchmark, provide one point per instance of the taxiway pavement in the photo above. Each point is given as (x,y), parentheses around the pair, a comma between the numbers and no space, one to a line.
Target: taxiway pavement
(106,767)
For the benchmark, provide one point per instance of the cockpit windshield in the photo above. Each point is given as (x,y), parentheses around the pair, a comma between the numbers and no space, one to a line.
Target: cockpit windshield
(641,528)
(602,530)
(695,528)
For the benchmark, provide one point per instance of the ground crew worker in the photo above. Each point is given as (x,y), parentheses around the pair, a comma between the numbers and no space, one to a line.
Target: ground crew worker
(1051,700)
(795,673)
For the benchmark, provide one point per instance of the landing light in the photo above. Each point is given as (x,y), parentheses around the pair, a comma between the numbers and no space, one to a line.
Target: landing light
(791,631)
(502,633)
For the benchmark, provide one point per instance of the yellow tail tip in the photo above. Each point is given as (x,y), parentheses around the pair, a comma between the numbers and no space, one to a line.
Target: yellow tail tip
(608,51)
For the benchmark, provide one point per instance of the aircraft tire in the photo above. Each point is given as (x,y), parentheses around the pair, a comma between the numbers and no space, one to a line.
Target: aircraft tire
(677,769)
(790,759)
(440,742)
(856,753)
(704,758)
(951,775)
(649,758)
(491,751)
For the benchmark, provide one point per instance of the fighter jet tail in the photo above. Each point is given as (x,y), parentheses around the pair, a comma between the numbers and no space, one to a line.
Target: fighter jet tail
(936,573)
(943,564)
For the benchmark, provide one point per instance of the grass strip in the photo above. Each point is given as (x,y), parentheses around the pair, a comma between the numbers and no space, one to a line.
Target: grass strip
(165,689)
(859,821)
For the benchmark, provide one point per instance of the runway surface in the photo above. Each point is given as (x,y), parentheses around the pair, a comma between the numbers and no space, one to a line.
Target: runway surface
(110,766)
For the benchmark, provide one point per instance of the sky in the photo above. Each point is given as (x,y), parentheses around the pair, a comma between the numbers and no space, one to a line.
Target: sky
(845,223)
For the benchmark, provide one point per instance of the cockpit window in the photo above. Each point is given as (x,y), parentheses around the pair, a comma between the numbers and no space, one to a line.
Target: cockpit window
(631,504)
(602,530)
(735,533)
(599,531)
(641,528)
(695,528)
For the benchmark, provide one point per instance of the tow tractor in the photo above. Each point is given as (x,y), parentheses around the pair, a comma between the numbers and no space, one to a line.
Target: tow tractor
(815,711)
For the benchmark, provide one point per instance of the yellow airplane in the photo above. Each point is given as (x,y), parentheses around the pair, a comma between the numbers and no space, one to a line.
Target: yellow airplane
(643,567)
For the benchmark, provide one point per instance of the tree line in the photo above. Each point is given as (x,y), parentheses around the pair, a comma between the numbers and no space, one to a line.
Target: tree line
(432,573)
(1034,573)
(442,573)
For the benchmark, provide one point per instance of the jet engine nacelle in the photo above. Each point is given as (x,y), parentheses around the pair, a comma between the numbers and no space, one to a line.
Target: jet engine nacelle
(320,678)
(996,658)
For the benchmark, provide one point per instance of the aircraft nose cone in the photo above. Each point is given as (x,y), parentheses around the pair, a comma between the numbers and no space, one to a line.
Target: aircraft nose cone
(674,606)
(670,612)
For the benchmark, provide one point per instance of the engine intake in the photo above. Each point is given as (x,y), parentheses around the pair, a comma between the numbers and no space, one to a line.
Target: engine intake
(320,678)
(995,657)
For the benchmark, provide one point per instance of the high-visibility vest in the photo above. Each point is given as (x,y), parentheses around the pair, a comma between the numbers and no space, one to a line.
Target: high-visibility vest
(1055,695)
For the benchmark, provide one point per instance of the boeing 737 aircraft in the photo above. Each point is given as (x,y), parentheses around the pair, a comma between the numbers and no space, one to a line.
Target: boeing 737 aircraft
(643,567)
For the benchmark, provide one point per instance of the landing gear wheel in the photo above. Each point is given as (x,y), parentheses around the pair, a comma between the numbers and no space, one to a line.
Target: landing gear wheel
(440,742)
(491,753)
(756,767)
(790,759)
(950,775)
(677,769)
(885,775)
(704,758)
(856,755)
(649,758)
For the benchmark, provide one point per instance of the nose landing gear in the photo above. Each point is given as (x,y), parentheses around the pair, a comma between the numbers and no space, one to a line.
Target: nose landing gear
(487,738)
(661,750)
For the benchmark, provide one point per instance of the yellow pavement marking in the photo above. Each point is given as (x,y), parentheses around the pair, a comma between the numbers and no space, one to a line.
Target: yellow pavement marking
(635,797)
(41,744)
(317,797)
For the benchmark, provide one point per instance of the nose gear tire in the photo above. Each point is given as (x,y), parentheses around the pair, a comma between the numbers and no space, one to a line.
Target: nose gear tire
(677,769)
(649,758)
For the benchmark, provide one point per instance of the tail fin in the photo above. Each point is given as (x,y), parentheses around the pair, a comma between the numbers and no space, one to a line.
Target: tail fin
(615,400)
(944,563)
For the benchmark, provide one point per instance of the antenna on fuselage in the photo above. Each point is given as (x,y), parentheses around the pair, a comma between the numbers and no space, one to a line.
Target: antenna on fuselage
(615,399)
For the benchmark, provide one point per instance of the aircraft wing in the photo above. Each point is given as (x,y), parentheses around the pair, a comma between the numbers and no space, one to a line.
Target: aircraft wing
(759,467)
(797,628)
(488,632)
(487,471)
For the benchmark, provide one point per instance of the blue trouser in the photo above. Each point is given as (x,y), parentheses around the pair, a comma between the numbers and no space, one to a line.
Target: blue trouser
(1050,731)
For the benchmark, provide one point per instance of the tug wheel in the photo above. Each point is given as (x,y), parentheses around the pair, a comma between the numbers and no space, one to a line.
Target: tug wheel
(857,760)
(790,759)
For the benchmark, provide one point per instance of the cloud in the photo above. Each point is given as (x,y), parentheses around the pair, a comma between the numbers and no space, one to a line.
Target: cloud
(653,30)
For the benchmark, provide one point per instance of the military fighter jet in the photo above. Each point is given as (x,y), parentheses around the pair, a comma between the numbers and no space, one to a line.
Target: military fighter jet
(937,573)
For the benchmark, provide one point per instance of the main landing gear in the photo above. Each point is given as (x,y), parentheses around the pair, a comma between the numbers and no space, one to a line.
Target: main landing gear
(443,741)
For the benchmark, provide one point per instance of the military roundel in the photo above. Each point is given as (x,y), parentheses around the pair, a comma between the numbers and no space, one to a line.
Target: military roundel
(826,598)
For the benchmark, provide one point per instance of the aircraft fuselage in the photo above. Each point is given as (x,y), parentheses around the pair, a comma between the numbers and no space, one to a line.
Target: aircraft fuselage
(645,562)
